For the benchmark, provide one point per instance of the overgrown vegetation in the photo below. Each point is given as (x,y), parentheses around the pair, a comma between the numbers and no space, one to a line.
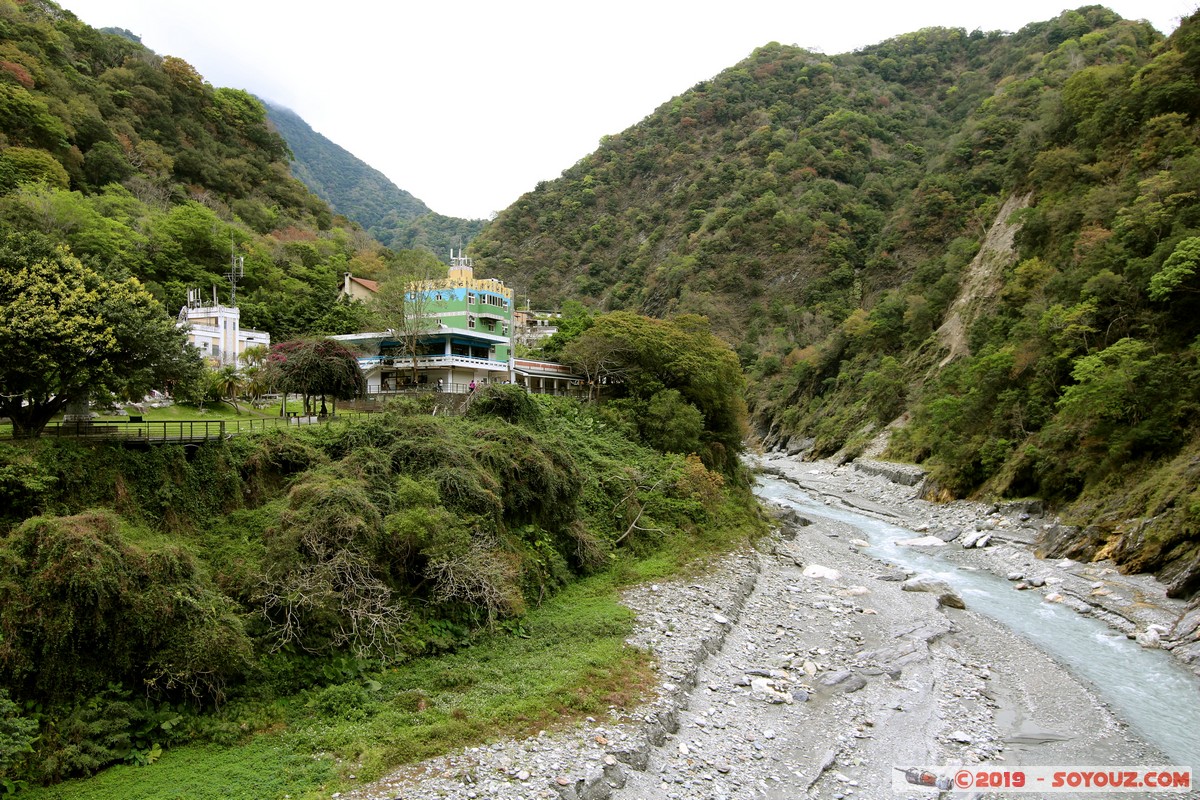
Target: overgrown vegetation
(671,384)
(302,582)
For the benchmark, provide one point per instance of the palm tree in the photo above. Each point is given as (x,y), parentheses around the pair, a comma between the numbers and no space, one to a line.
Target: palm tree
(256,382)
(256,355)
(228,383)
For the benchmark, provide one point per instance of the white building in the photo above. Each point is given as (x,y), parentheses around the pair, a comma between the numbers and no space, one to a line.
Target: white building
(216,331)
(532,328)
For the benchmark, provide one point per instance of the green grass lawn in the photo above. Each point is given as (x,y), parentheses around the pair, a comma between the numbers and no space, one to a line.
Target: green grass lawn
(218,411)
(212,412)
(263,767)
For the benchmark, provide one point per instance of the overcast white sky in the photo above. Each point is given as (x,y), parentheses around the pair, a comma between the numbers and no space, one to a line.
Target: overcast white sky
(467,104)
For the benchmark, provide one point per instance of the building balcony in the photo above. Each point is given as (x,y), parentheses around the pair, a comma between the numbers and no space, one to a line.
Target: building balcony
(550,369)
(368,363)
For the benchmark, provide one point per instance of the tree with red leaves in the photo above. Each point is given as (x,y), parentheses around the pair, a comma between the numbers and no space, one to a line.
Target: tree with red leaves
(315,368)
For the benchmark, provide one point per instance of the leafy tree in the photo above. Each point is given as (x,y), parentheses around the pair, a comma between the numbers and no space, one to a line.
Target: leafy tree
(316,368)
(642,358)
(343,316)
(19,165)
(257,376)
(1129,399)
(69,333)
(1178,271)
(671,424)
(106,163)
(228,382)
(406,306)
(17,735)
(603,361)
(26,119)
(256,355)
(575,320)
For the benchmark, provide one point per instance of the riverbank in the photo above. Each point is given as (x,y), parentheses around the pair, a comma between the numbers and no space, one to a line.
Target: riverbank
(803,668)
(1003,539)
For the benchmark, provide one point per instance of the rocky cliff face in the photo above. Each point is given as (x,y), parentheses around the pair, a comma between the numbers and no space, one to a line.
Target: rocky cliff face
(1150,522)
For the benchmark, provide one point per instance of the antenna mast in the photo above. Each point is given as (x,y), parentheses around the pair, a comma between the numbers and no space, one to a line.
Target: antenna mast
(236,272)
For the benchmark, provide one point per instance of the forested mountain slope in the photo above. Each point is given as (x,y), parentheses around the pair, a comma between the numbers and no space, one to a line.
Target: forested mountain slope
(142,168)
(824,212)
(337,177)
(365,195)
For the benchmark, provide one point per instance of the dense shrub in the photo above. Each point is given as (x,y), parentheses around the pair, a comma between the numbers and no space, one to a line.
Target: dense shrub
(83,606)
(508,402)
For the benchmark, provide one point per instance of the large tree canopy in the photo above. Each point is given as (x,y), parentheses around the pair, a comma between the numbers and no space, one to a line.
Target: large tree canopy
(316,368)
(669,370)
(69,333)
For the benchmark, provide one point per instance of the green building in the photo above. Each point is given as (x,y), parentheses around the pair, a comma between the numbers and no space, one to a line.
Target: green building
(460,334)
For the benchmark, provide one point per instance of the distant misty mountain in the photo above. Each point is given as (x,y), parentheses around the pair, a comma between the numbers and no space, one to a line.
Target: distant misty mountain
(365,195)
(354,188)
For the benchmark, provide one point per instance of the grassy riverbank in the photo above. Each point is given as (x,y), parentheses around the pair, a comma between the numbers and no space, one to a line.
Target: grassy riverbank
(298,607)
(564,661)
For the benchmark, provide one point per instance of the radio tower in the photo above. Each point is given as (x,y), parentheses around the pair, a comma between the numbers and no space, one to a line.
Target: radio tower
(236,272)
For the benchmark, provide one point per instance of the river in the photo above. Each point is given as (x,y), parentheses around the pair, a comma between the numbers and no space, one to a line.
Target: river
(1147,688)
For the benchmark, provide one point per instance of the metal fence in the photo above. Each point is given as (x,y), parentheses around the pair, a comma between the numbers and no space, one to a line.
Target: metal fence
(177,431)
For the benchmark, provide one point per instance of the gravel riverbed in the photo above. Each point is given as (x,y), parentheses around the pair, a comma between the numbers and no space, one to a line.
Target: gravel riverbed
(805,668)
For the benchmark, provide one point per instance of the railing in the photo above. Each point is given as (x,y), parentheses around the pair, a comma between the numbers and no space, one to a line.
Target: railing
(548,368)
(178,431)
(426,388)
(424,362)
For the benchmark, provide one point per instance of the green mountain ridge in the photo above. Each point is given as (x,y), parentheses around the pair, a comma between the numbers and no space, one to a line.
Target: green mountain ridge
(144,169)
(336,175)
(824,211)
(364,194)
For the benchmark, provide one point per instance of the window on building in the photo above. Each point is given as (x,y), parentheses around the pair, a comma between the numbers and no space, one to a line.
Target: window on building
(470,298)
(470,321)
